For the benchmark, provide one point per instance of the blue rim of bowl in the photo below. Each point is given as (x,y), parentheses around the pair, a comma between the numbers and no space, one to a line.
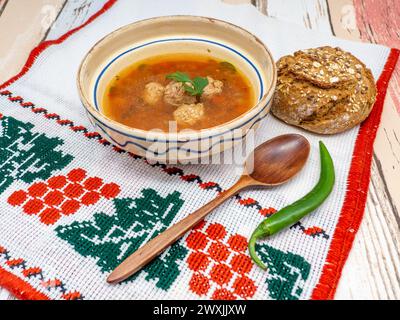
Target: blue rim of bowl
(176,141)
(176,39)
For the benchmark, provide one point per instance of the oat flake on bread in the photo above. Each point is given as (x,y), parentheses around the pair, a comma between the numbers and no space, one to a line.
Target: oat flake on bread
(324,90)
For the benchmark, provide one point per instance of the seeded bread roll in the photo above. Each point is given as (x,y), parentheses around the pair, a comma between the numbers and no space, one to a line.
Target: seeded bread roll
(324,90)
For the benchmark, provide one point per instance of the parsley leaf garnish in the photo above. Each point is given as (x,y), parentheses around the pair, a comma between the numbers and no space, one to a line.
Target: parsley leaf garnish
(194,87)
(228,65)
(179,77)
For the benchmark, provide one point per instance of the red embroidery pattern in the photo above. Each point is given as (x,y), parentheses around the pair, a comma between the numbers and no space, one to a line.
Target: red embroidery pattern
(249,202)
(62,195)
(36,272)
(54,116)
(312,231)
(219,263)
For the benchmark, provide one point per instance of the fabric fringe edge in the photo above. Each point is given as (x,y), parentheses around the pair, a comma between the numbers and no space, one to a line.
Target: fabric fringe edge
(19,288)
(357,190)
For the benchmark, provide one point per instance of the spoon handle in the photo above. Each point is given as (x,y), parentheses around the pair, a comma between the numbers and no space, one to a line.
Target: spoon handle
(154,247)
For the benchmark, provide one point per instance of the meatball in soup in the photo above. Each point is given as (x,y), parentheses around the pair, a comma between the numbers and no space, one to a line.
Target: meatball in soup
(196,92)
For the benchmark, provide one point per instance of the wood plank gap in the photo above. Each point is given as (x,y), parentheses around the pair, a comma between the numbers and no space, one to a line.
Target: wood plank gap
(261,5)
(386,230)
(367,244)
(378,265)
(55,20)
(386,189)
(330,17)
(3,7)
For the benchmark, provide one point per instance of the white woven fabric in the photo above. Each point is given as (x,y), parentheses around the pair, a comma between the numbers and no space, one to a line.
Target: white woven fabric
(50,84)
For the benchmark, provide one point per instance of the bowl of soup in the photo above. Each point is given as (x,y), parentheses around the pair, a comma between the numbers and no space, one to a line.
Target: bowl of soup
(177,88)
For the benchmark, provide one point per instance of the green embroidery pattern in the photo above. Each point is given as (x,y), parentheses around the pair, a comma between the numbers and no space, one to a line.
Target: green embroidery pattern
(113,238)
(287,272)
(26,155)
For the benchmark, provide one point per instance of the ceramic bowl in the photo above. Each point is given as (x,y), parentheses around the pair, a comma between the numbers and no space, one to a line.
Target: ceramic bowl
(176,34)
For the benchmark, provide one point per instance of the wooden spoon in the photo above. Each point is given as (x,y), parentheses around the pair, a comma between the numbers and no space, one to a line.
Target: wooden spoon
(275,162)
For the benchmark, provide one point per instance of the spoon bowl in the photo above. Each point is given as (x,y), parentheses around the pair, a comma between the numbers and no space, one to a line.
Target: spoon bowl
(275,162)
(280,159)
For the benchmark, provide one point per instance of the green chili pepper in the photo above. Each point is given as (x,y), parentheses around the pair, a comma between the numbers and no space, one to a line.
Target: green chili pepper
(297,210)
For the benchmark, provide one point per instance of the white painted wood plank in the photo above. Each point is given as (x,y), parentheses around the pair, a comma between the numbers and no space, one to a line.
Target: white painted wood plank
(5,295)
(73,15)
(20,31)
(375,257)
(343,19)
(313,14)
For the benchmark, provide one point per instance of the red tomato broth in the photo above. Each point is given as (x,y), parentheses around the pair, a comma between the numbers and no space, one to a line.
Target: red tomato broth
(123,100)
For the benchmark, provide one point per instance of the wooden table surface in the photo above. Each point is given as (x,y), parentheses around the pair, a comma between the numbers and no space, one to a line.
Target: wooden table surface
(373,268)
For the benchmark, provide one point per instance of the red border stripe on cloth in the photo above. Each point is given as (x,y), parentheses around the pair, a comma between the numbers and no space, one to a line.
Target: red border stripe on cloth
(357,190)
(355,199)
(18,287)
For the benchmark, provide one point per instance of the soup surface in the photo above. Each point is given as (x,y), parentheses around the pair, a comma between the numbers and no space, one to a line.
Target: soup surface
(149,94)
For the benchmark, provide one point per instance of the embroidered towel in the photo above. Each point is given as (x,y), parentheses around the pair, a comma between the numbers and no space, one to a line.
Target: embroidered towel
(73,206)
